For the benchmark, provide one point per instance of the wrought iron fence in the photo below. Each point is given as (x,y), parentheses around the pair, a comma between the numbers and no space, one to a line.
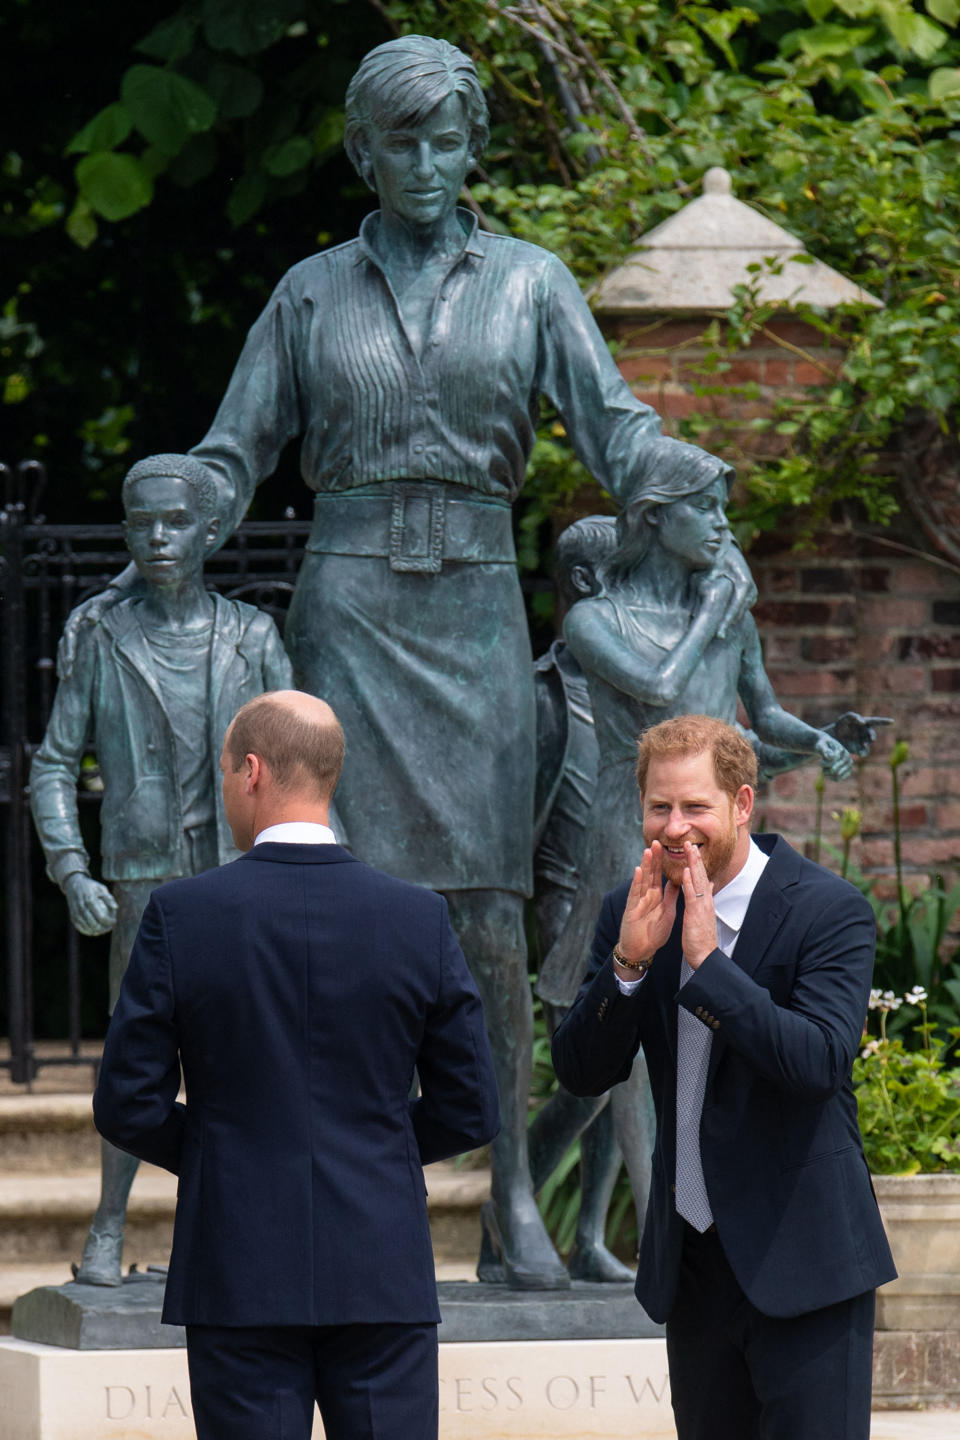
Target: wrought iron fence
(45,571)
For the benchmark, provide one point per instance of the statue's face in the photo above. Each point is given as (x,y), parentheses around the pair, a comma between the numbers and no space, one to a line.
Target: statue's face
(695,529)
(165,532)
(418,171)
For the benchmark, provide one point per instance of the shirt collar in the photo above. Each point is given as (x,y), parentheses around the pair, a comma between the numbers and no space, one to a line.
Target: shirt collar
(297,832)
(472,239)
(731,902)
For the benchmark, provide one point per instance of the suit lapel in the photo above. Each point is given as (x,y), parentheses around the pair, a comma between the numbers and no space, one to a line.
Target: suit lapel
(766,912)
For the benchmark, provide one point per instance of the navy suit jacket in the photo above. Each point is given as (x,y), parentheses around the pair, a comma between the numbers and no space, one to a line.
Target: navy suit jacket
(298,988)
(782,1157)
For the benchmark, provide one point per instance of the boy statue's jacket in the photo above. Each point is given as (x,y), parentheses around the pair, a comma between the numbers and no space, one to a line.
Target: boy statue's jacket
(110,701)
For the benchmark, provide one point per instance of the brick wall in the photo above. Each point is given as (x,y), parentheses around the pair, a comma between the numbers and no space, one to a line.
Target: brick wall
(865,621)
(664,361)
(861,624)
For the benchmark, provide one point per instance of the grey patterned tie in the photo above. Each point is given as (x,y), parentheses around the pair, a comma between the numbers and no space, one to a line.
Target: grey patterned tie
(693,1060)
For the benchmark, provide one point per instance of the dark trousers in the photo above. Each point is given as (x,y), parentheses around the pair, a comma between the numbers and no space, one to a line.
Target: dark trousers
(738,1375)
(371,1382)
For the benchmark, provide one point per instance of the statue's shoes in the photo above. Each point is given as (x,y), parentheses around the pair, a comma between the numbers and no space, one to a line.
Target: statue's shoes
(528,1258)
(100,1262)
(599,1265)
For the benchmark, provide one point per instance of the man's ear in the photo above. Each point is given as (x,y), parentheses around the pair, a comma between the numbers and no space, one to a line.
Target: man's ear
(213,530)
(253,772)
(743,805)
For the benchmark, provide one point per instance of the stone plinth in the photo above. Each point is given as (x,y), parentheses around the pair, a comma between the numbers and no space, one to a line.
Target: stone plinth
(557,1390)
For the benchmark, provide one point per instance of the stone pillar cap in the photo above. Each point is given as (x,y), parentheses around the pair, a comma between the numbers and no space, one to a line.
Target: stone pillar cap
(691,262)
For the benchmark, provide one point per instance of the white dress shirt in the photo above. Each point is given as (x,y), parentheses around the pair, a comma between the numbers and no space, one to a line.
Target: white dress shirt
(297,832)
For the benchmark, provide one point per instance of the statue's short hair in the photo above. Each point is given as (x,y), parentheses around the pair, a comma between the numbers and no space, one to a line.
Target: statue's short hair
(734,762)
(398,84)
(180,467)
(588,541)
(296,747)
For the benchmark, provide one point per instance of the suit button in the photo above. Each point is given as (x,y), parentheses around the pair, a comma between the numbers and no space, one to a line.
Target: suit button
(715,1024)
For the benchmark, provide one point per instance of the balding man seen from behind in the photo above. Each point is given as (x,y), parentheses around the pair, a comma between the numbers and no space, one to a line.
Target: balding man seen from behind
(299,990)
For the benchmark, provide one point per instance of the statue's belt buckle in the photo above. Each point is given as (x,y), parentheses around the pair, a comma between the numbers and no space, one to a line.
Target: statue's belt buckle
(417,520)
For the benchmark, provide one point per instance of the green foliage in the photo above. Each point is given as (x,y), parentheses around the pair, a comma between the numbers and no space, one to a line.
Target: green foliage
(916,945)
(201,147)
(908,1101)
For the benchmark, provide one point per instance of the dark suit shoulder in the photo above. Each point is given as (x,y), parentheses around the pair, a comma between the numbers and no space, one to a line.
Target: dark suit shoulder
(800,878)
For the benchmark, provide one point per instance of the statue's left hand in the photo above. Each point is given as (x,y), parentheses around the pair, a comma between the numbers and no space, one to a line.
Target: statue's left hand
(856,732)
(836,760)
(744,590)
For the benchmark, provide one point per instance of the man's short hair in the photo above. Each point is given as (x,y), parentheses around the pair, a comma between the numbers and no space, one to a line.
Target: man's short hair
(588,541)
(734,763)
(293,746)
(178,467)
(398,84)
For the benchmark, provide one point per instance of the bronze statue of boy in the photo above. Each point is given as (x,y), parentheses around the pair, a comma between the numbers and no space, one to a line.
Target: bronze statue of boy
(151,686)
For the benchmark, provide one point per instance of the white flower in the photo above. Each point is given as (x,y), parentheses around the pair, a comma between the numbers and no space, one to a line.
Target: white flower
(916,996)
(875,997)
(871,1048)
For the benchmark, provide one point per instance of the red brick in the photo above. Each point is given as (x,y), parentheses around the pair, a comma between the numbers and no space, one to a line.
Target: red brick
(775,577)
(948,816)
(944,681)
(646,367)
(793,613)
(893,614)
(778,372)
(875,579)
(912,817)
(928,647)
(811,682)
(924,578)
(877,854)
(801,818)
(670,402)
(743,372)
(899,680)
(658,337)
(780,647)
(877,645)
(797,332)
(787,786)
(826,580)
(936,850)
(828,649)
(806,374)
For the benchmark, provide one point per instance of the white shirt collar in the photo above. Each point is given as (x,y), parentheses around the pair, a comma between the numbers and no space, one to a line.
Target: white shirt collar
(731,902)
(297,832)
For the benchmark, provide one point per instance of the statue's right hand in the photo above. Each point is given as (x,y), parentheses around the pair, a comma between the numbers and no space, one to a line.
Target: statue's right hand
(93,909)
(650,910)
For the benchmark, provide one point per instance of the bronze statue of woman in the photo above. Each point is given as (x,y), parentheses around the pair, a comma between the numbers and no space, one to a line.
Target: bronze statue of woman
(410,361)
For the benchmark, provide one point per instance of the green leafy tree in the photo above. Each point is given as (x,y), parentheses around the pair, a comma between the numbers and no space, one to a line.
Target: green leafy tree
(201,156)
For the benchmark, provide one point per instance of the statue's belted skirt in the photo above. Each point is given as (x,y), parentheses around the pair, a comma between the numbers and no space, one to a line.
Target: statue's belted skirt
(408,619)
